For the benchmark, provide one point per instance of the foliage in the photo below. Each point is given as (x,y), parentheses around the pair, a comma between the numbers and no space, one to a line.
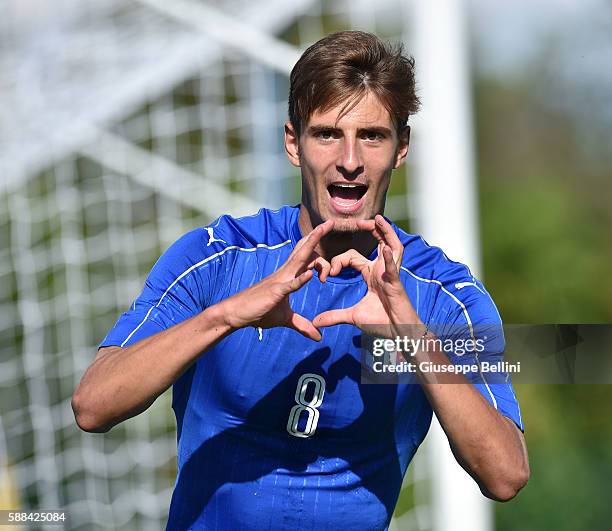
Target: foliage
(547,248)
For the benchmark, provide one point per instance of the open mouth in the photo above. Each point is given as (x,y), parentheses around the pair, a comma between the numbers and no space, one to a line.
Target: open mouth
(347,197)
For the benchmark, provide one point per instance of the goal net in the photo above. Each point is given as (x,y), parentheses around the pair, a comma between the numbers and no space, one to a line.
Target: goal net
(124,124)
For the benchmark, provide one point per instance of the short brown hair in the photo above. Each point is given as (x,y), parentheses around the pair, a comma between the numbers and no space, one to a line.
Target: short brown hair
(343,67)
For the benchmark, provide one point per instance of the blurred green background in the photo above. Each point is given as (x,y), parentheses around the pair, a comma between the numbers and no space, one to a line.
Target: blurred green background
(545,183)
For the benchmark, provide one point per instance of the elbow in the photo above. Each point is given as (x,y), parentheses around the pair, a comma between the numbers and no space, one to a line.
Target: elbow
(85,415)
(506,487)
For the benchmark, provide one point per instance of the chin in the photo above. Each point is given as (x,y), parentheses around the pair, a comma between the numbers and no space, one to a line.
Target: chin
(345,225)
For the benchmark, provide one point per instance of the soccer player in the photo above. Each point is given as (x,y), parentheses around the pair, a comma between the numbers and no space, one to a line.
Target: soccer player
(257,324)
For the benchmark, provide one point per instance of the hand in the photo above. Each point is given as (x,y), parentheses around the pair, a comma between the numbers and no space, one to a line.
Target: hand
(386,302)
(266,304)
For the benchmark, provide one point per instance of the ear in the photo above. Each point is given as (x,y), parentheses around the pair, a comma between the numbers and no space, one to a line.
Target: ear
(292,144)
(402,148)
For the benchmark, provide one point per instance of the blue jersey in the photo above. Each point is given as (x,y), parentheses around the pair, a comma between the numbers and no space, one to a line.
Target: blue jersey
(277,431)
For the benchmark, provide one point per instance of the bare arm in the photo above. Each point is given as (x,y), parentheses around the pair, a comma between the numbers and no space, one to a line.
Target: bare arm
(123,382)
(488,445)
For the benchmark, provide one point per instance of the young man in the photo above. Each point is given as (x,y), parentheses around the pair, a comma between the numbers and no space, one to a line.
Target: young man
(275,428)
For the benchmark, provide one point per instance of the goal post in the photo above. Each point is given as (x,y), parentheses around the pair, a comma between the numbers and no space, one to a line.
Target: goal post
(447,213)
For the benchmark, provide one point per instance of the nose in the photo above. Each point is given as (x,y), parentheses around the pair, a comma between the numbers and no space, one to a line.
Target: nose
(350,160)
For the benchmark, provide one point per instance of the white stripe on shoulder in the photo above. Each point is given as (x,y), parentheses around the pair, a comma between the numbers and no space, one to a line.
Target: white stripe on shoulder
(467,318)
(199,264)
(452,296)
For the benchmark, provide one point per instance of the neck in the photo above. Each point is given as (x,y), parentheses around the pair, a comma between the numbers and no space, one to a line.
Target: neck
(337,242)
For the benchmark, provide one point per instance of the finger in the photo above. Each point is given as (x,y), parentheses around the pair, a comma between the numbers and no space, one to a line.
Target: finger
(334,317)
(389,236)
(304,249)
(371,226)
(350,258)
(315,235)
(313,232)
(385,234)
(379,251)
(382,230)
(304,327)
(322,266)
(299,281)
(390,265)
(366,224)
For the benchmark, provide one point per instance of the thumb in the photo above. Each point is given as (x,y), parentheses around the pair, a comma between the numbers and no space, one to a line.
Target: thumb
(303,326)
(334,317)
(297,282)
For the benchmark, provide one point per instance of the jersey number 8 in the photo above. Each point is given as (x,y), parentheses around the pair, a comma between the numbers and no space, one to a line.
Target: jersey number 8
(310,407)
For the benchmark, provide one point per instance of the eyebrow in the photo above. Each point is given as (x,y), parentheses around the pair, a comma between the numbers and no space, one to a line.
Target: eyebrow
(314,129)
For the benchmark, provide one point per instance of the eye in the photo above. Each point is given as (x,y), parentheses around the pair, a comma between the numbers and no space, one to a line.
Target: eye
(326,134)
(372,136)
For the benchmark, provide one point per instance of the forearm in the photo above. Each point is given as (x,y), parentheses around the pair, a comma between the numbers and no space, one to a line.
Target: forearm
(486,444)
(123,382)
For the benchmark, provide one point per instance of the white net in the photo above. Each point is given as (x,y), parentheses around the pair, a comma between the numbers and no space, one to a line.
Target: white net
(123,126)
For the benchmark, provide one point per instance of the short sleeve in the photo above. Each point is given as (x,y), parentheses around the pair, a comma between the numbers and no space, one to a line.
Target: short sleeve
(475,339)
(175,290)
